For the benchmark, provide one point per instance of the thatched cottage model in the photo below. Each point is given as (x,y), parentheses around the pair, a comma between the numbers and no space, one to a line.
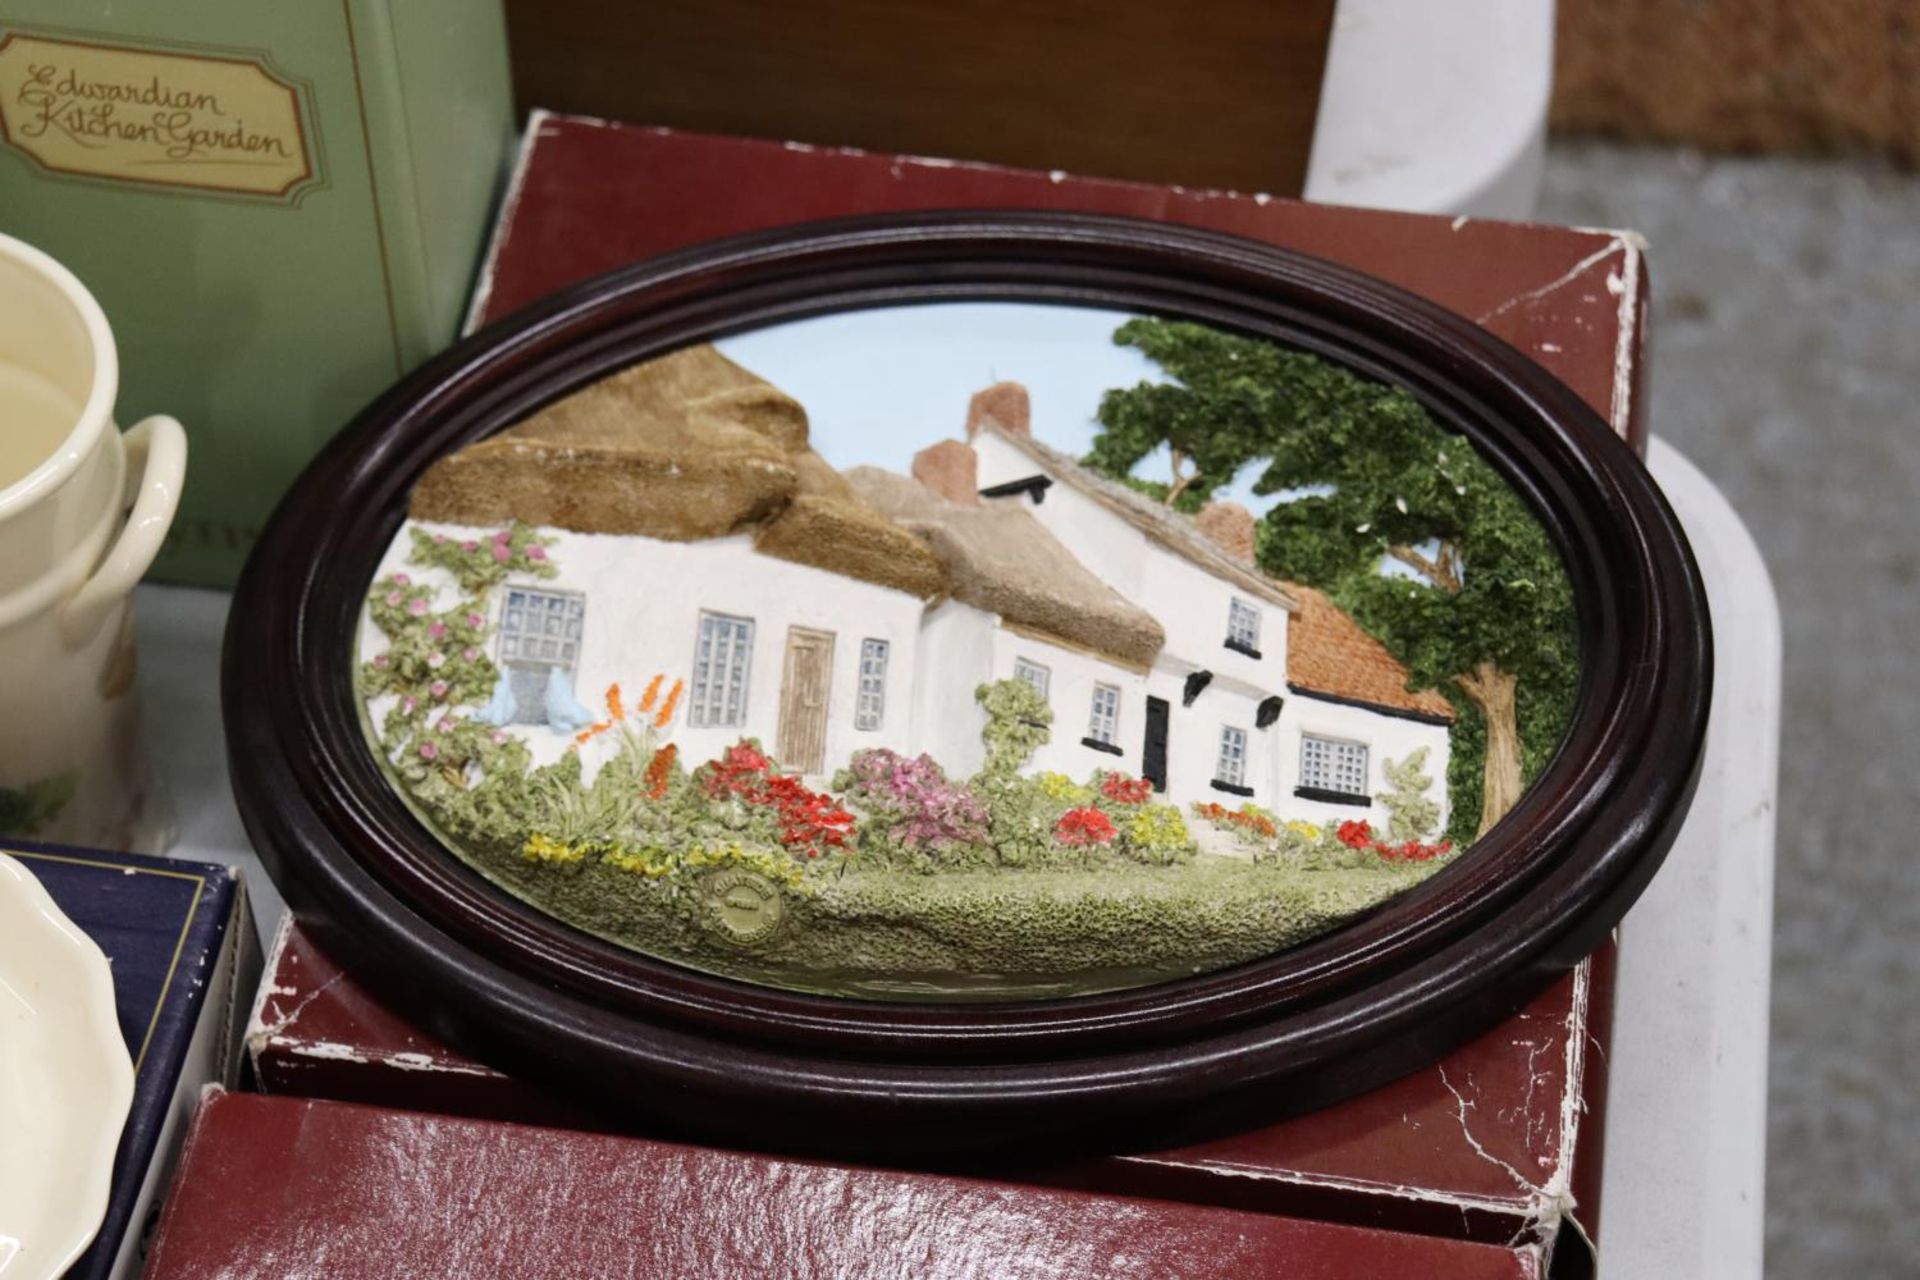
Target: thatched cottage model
(697,533)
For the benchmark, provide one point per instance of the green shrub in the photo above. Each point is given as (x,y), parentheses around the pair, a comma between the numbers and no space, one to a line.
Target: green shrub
(1018,724)
(1413,815)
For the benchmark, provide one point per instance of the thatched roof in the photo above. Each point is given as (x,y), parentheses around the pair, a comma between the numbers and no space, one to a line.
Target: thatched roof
(999,558)
(1171,529)
(684,447)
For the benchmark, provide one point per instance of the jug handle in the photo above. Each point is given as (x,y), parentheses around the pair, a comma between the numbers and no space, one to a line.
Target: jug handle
(156,464)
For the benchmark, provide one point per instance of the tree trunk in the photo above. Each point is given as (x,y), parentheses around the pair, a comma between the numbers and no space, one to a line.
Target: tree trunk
(1492,691)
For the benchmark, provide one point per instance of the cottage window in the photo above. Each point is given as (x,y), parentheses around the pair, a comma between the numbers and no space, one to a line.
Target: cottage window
(1231,769)
(1333,765)
(1103,725)
(1033,673)
(722,660)
(542,626)
(1243,627)
(871,705)
(539,634)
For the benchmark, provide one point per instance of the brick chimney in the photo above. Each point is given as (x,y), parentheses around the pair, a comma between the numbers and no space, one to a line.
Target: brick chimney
(1230,526)
(950,469)
(1004,404)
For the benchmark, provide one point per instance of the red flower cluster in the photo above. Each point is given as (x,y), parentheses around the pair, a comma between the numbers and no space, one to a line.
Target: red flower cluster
(1085,825)
(657,771)
(1258,823)
(1359,835)
(740,771)
(1121,789)
(1413,851)
(810,821)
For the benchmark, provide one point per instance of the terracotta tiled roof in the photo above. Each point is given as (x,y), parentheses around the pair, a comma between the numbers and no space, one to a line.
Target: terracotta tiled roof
(1328,652)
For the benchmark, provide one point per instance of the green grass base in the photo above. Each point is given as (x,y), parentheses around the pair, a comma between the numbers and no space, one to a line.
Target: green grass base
(972,936)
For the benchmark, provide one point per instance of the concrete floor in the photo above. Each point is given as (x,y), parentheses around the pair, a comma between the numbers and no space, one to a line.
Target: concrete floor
(1786,363)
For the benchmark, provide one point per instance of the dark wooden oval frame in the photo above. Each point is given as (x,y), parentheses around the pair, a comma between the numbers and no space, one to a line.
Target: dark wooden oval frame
(1376,998)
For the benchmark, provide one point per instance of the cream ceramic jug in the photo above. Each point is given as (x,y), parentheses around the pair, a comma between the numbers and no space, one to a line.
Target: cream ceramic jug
(83,510)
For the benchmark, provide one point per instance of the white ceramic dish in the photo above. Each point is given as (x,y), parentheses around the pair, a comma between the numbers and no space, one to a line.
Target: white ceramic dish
(65,1082)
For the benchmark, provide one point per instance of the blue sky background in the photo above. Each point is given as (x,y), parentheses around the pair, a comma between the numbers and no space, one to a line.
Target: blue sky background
(882,384)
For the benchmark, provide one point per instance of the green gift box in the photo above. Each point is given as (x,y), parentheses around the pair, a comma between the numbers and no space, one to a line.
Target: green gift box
(280,205)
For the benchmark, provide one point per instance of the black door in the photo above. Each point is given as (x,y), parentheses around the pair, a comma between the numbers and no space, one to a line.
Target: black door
(1153,756)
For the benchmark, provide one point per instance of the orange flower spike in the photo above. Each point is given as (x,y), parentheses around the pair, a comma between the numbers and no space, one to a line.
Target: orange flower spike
(673,700)
(653,691)
(615,711)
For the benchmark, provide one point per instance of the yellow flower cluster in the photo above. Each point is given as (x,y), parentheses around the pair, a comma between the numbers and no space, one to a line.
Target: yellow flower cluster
(1306,829)
(1158,826)
(779,867)
(1058,786)
(649,862)
(545,849)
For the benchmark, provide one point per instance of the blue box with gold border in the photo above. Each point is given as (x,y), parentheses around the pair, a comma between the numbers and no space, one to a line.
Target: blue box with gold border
(185,962)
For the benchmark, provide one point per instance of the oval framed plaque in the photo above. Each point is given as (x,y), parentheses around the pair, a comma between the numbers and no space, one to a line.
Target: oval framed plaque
(1006,674)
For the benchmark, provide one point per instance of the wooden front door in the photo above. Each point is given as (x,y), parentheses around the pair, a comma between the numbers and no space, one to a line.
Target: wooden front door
(803,700)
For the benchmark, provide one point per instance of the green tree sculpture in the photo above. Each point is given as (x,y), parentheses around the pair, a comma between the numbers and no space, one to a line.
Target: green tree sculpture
(1018,720)
(1412,813)
(1479,605)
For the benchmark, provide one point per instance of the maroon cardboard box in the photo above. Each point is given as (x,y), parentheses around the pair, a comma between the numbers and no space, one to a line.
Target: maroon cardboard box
(589,196)
(299,1187)
(1499,1141)
(1496,1143)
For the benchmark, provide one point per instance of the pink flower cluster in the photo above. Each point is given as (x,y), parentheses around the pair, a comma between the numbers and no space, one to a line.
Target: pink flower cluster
(916,798)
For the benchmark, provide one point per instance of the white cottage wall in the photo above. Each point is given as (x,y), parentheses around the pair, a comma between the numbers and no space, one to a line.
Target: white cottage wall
(1191,604)
(1072,675)
(644,597)
(1193,607)
(1113,550)
(1387,737)
(956,657)
(1193,741)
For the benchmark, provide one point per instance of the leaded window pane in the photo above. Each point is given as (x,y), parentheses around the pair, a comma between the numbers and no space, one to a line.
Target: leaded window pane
(1104,722)
(870,707)
(722,661)
(1033,673)
(1231,767)
(1333,764)
(534,621)
(1243,624)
